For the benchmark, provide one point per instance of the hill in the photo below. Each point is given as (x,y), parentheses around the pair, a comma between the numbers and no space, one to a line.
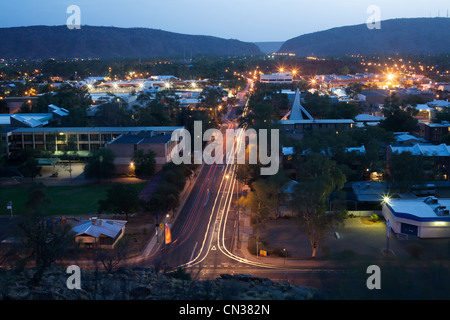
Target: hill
(38,42)
(403,36)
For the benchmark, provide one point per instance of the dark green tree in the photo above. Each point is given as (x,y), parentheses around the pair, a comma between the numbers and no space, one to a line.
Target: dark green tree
(144,163)
(405,170)
(121,199)
(100,164)
(37,198)
(318,178)
(397,119)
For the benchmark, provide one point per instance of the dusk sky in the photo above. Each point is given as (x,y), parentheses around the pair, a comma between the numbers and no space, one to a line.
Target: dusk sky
(246,20)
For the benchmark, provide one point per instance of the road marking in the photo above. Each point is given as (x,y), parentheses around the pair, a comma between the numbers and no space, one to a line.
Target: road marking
(213,248)
(206,201)
(192,254)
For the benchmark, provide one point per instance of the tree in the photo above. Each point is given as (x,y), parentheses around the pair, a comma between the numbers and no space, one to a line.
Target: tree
(70,152)
(353,89)
(122,199)
(37,198)
(166,196)
(144,163)
(319,177)
(47,242)
(164,199)
(261,201)
(397,119)
(344,70)
(114,114)
(279,181)
(405,169)
(30,168)
(100,164)
(111,259)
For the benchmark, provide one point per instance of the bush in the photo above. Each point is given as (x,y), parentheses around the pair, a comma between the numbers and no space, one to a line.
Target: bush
(374,217)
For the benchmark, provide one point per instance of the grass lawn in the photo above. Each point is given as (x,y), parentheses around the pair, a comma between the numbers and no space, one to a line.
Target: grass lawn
(67,200)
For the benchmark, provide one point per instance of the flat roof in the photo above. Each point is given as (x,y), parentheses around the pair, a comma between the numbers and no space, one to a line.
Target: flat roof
(418,209)
(369,191)
(138,139)
(95,129)
(5,119)
(336,121)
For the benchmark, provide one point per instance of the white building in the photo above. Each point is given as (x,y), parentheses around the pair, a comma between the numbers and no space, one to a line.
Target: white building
(422,217)
(285,77)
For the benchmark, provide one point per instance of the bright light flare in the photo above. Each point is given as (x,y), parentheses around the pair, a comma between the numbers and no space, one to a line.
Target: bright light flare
(386,199)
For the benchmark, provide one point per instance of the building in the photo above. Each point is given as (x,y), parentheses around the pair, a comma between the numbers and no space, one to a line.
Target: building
(363,119)
(56,138)
(439,105)
(421,217)
(440,155)
(298,121)
(34,120)
(433,132)
(15,103)
(126,145)
(282,77)
(99,233)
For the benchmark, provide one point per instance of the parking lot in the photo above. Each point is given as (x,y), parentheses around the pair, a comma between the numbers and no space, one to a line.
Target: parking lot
(356,238)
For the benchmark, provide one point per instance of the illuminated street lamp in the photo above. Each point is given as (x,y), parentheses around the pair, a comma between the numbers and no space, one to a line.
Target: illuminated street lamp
(386,199)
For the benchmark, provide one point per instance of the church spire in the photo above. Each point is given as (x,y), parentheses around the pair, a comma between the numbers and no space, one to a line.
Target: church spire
(297,111)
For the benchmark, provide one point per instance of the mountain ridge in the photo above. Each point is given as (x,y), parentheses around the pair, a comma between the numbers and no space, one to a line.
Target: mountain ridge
(403,36)
(37,42)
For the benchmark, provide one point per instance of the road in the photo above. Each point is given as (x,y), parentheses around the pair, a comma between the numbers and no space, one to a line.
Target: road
(204,234)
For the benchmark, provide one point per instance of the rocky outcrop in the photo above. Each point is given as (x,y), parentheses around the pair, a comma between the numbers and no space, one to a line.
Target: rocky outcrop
(146,284)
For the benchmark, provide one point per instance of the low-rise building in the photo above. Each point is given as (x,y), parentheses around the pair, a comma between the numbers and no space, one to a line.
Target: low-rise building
(85,138)
(99,233)
(125,146)
(439,154)
(433,132)
(422,217)
(281,77)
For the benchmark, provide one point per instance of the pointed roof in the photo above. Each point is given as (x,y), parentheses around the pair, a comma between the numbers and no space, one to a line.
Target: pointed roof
(298,111)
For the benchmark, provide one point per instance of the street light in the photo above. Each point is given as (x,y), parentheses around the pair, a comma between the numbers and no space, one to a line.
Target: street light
(386,199)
